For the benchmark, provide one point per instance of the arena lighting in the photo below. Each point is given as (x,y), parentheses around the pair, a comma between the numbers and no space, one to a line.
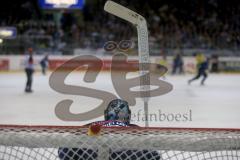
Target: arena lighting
(61,4)
(8,32)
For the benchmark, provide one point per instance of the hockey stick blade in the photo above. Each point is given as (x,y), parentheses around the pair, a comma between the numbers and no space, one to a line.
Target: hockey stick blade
(122,12)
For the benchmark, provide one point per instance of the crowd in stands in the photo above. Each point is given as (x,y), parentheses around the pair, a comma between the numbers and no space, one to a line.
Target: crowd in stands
(205,24)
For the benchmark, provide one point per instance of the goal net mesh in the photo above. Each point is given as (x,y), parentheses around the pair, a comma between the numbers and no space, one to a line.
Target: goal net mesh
(129,143)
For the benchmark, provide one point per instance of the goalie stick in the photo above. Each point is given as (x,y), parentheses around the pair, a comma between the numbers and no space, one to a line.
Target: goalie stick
(143,47)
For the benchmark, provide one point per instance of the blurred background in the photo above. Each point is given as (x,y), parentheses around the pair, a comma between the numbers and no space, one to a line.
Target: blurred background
(209,25)
(185,27)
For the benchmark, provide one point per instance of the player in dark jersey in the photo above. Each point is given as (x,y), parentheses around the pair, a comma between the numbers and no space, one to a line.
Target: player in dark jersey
(116,114)
(29,69)
(44,64)
(178,64)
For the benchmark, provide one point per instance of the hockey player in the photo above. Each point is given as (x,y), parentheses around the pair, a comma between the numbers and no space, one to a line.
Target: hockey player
(116,114)
(44,63)
(163,61)
(202,66)
(29,69)
(178,64)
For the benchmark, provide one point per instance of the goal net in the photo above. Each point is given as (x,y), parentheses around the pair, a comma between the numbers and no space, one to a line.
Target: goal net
(129,143)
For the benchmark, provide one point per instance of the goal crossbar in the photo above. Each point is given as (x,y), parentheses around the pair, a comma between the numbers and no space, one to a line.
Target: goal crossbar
(180,139)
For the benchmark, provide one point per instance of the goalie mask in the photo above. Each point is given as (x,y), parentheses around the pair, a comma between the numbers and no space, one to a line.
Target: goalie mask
(118,110)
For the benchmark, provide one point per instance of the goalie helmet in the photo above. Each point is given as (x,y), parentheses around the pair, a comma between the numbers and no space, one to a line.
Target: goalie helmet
(118,110)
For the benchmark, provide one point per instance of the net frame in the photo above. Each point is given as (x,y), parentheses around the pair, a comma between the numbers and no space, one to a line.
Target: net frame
(172,143)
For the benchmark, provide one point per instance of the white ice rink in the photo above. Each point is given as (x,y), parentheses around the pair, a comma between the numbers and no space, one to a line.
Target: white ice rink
(215,105)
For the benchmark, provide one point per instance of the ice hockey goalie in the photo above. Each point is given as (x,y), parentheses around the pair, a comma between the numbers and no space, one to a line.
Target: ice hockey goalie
(116,114)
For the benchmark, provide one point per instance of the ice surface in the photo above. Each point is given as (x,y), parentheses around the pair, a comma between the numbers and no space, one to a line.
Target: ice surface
(215,105)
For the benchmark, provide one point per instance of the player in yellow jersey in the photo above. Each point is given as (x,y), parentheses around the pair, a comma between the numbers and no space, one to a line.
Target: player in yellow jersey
(163,61)
(202,66)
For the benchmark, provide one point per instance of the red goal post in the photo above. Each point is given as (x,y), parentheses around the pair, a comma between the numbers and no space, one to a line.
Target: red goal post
(43,142)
